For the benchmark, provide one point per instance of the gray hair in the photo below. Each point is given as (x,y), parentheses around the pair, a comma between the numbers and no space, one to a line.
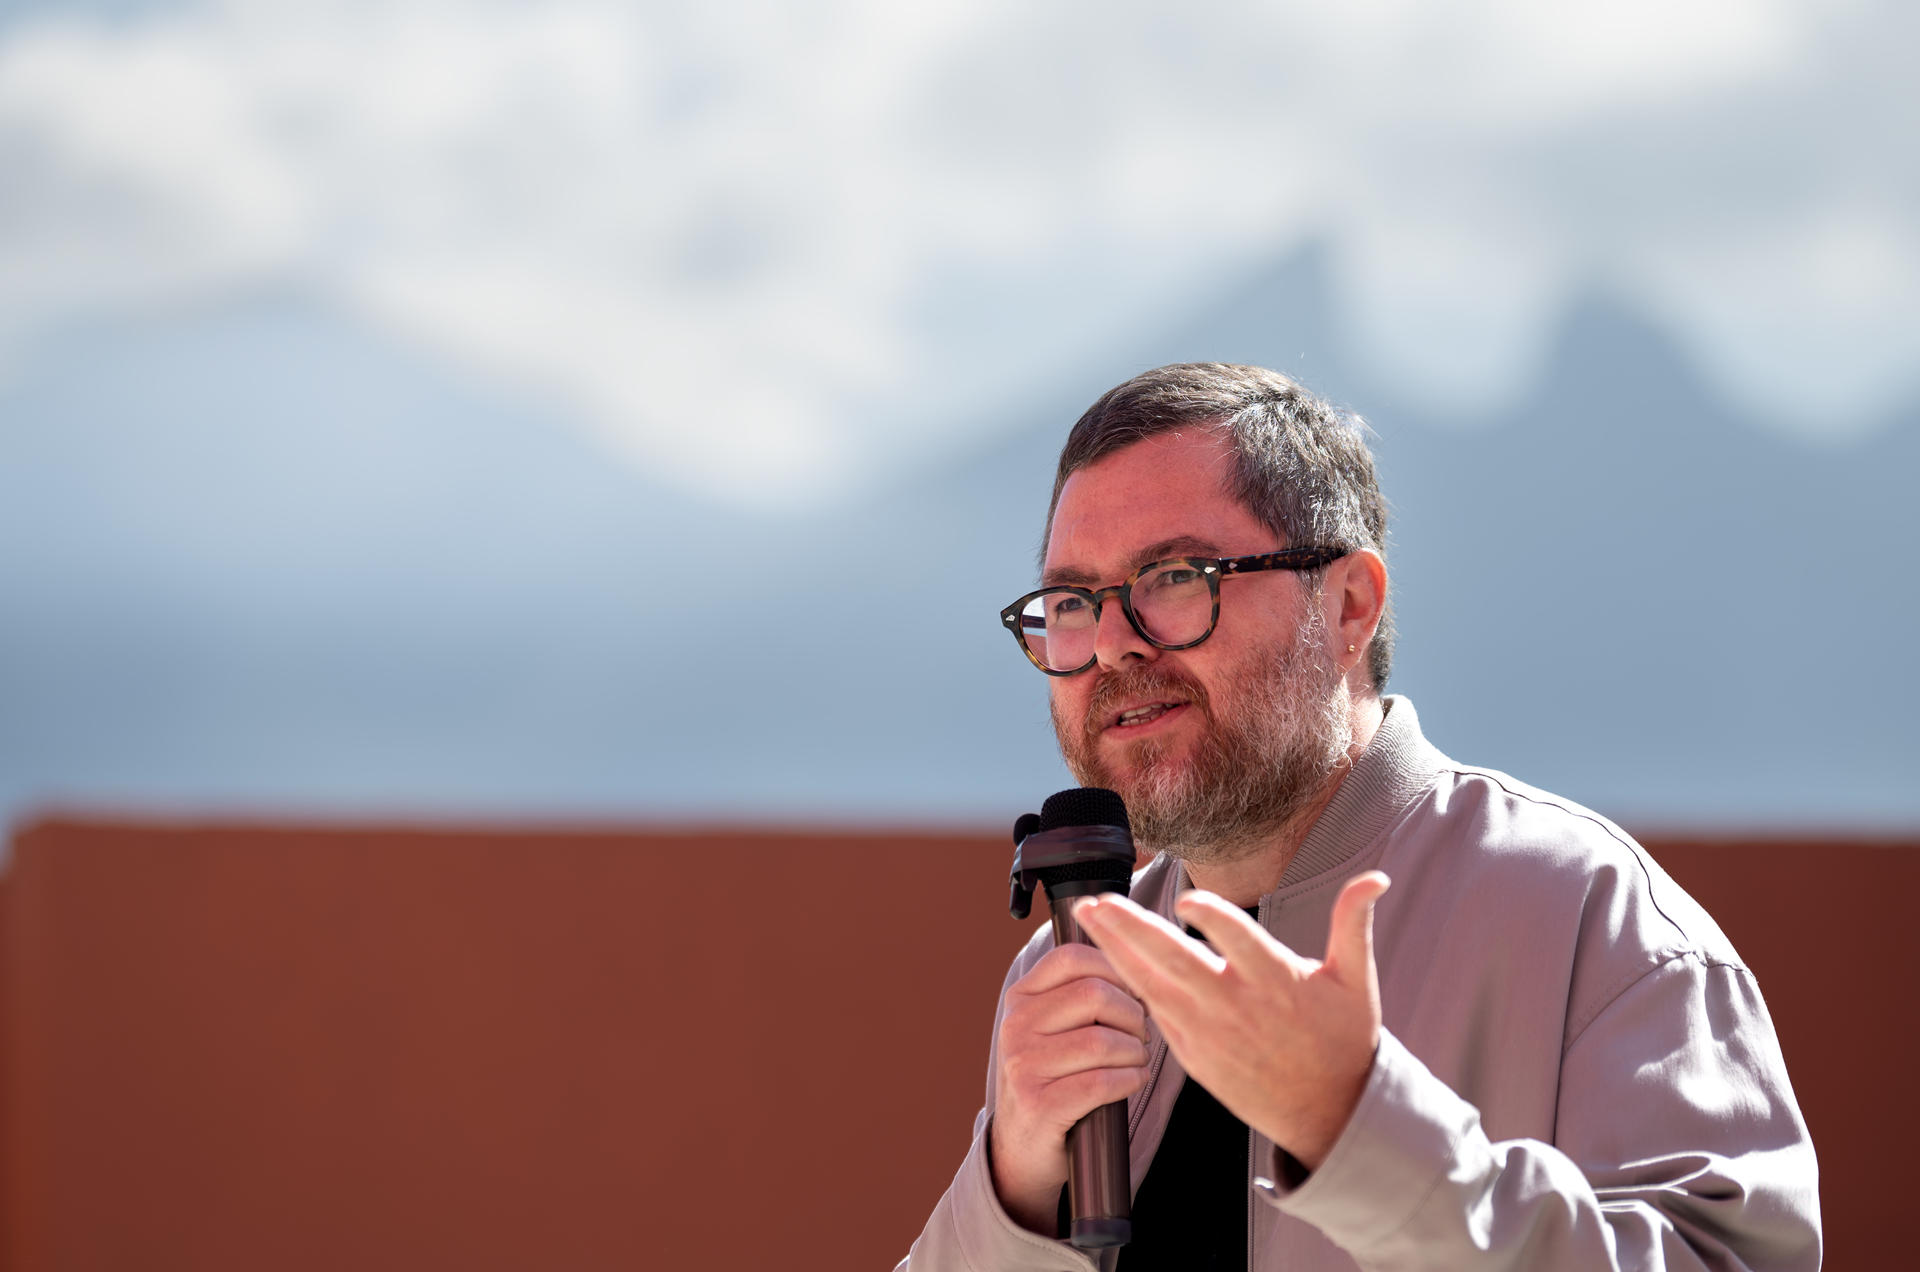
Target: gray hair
(1301,465)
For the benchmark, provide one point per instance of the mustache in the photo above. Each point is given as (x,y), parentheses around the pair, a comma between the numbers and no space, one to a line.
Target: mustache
(1116,687)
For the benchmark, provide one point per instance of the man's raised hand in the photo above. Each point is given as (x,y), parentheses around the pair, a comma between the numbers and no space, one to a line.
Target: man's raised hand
(1284,1042)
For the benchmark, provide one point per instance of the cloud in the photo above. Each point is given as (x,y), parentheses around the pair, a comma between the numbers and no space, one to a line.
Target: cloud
(769,250)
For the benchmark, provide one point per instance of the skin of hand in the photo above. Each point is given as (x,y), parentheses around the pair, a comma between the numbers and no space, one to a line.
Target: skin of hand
(1284,1042)
(1071,1039)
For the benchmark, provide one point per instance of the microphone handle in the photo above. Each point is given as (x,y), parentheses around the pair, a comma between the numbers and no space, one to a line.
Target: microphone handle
(1099,1194)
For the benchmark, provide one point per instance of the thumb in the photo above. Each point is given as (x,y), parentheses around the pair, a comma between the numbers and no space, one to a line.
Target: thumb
(1350,940)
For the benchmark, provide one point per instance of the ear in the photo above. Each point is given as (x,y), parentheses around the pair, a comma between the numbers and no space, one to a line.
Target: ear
(1355,596)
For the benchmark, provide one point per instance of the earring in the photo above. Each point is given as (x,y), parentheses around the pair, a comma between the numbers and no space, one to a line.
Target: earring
(1349,648)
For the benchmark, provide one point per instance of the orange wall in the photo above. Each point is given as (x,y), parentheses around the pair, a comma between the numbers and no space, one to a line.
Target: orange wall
(248,1047)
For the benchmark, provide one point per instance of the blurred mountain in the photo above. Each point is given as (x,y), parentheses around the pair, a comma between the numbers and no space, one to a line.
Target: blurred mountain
(263,559)
(1657,608)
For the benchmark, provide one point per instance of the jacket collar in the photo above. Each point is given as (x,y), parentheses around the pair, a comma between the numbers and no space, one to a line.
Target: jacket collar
(1395,769)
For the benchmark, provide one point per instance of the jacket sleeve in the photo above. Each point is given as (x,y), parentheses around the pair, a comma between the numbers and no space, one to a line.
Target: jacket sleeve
(1677,1145)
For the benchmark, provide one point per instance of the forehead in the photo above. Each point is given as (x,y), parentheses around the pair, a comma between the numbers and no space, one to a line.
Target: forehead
(1171,487)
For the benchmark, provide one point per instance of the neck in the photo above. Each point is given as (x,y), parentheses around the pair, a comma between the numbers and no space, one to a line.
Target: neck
(1245,879)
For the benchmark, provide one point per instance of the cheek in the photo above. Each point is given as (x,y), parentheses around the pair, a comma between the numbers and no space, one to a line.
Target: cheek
(1067,703)
(1270,622)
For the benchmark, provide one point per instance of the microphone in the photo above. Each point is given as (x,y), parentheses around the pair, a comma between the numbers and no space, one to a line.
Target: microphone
(1078,845)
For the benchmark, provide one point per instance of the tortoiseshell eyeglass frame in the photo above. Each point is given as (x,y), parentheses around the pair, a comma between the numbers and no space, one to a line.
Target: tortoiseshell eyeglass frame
(1212,569)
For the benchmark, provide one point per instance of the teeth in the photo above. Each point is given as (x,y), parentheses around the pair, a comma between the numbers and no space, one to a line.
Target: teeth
(1138,714)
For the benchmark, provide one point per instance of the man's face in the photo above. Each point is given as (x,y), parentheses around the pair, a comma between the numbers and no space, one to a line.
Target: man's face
(1213,748)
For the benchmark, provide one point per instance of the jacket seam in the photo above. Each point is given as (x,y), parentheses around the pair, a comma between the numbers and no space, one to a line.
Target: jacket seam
(1611,831)
(1634,978)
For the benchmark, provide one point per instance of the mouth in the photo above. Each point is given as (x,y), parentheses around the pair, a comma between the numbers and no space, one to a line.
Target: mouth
(1139,717)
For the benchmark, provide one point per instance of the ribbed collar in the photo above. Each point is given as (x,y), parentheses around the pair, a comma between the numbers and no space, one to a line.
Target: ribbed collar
(1397,766)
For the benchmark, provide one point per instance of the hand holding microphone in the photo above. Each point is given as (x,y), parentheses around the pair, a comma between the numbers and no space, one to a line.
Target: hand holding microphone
(1072,1042)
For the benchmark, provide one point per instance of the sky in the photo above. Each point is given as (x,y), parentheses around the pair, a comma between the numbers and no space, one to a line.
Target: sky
(827,208)
(764,266)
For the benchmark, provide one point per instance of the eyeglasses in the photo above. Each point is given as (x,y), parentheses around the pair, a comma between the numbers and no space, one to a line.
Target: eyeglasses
(1173,604)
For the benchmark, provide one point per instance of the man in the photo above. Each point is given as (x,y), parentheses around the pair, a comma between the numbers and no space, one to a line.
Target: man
(1535,1051)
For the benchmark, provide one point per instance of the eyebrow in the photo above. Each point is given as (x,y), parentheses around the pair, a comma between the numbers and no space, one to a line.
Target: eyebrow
(1178,546)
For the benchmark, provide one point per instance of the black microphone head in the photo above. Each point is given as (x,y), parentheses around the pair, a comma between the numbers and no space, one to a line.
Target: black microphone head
(1084,806)
(1023,825)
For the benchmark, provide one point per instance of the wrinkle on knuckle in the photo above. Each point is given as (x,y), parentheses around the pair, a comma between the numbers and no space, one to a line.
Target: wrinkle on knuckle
(1018,1068)
(1097,996)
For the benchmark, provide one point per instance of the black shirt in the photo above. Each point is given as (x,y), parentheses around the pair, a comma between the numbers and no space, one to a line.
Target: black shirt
(1191,1209)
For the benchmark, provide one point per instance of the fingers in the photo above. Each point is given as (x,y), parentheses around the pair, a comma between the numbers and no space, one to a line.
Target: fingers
(1066,963)
(1087,1001)
(1056,1035)
(1151,955)
(1071,986)
(1233,932)
(1046,1058)
(1079,1094)
(1350,938)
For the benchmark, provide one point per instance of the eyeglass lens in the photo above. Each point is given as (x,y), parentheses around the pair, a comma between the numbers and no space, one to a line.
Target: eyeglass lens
(1172,602)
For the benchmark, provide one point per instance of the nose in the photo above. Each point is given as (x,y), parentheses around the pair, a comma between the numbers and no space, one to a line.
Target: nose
(1115,638)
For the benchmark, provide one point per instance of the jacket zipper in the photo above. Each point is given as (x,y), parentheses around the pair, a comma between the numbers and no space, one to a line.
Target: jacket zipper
(1146,1092)
(1260,917)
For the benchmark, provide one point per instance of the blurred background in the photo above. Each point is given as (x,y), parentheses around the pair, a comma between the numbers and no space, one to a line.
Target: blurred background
(529,410)
(634,415)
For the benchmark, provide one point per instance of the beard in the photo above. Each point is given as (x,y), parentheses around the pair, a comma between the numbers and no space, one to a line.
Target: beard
(1280,730)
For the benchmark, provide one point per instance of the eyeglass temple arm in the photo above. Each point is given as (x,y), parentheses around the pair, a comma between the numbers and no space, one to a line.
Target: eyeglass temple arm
(1285,559)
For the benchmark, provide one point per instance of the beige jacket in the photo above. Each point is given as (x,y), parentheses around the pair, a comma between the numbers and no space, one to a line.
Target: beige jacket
(1576,1070)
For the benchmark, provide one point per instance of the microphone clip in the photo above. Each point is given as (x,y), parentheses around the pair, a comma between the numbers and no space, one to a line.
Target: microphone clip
(1067,861)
